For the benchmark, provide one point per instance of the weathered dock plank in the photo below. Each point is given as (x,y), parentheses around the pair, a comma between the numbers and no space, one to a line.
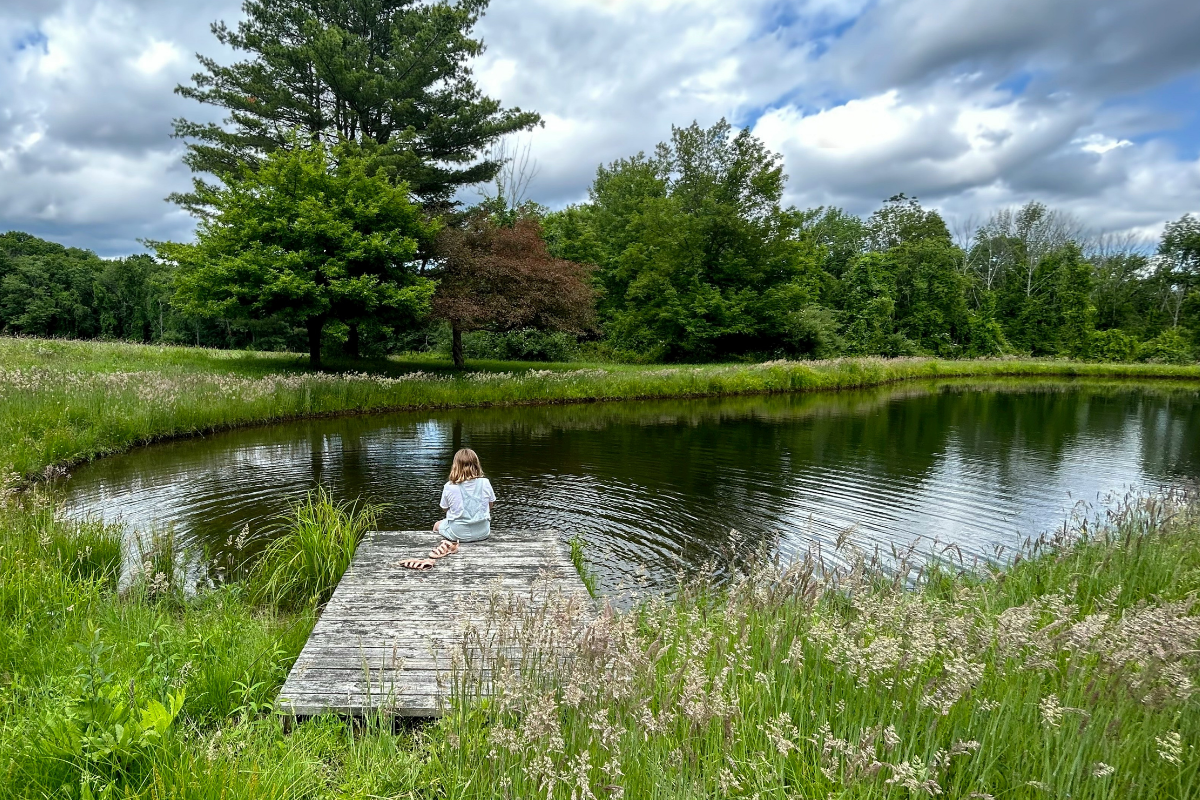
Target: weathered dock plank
(387,638)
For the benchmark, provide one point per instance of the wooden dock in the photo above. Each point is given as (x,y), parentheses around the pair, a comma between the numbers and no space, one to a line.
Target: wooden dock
(387,639)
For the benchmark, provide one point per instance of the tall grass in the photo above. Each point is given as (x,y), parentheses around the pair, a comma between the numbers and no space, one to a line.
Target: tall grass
(314,547)
(582,568)
(63,402)
(1072,673)
(103,690)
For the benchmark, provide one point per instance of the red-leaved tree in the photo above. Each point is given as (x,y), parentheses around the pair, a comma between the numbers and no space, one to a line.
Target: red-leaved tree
(499,277)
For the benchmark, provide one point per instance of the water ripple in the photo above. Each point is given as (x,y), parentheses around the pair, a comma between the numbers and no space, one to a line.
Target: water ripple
(656,487)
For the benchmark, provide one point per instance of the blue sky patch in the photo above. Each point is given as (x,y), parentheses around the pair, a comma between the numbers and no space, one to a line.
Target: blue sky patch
(32,40)
(817,32)
(1018,83)
(1175,108)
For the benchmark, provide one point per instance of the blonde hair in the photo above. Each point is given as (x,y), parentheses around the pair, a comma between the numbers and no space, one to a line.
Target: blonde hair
(465,467)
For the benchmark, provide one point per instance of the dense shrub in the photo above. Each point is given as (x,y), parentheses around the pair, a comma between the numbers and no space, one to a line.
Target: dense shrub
(1169,347)
(527,344)
(1114,345)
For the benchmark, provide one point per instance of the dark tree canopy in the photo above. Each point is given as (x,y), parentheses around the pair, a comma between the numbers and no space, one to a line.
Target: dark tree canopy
(391,75)
(50,290)
(501,277)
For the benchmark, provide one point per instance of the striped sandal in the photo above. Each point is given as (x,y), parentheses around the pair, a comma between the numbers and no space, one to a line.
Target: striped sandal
(444,549)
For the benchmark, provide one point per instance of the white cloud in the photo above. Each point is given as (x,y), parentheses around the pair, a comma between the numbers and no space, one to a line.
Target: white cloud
(1099,143)
(928,143)
(86,155)
(611,78)
(910,97)
(968,104)
(157,56)
(1113,45)
(970,151)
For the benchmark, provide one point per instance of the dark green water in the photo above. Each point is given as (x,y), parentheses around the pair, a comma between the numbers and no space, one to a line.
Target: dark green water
(652,486)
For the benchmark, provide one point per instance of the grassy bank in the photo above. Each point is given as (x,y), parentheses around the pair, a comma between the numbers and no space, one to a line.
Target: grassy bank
(1072,674)
(63,402)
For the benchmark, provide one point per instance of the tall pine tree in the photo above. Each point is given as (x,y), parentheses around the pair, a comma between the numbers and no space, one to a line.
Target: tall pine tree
(391,75)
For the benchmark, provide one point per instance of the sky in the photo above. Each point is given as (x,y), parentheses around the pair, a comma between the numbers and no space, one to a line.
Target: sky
(1090,106)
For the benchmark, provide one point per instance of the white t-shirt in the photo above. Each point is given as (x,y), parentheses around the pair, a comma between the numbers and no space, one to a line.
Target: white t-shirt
(468,501)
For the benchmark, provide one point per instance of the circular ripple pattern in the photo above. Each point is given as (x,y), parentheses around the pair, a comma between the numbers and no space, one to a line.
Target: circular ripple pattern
(656,487)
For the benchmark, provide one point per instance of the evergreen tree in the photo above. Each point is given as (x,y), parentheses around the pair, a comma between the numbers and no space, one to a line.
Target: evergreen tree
(392,75)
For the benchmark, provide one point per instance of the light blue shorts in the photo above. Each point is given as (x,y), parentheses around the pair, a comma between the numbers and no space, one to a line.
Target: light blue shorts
(459,531)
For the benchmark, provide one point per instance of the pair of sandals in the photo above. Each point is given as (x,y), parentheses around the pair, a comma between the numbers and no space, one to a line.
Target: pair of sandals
(444,549)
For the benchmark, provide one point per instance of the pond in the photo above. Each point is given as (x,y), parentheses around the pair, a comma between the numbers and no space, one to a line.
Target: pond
(657,486)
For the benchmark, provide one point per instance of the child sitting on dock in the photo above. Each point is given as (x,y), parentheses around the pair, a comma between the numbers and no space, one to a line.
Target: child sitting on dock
(468,499)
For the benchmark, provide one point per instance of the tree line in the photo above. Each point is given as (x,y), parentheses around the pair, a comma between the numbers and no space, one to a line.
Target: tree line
(696,259)
(326,220)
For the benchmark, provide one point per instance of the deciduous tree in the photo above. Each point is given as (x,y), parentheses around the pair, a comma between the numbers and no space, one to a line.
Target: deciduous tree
(306,238)
(1178,272)
(696,259)
(500,277)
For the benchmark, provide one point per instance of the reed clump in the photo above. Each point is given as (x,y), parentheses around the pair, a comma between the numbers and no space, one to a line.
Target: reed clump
(582,568)
(311,549)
